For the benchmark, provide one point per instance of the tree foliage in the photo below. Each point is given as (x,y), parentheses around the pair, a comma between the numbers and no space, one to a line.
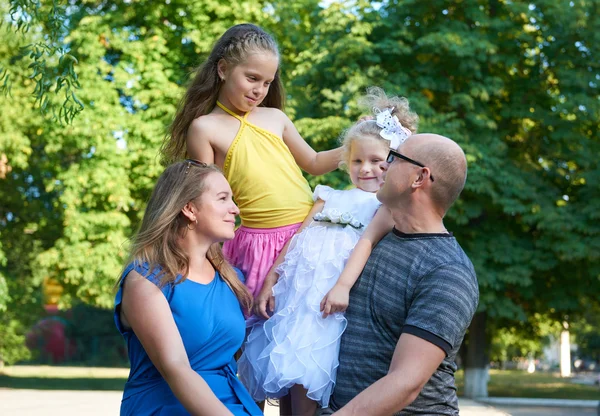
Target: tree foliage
(52,66)
(514,83)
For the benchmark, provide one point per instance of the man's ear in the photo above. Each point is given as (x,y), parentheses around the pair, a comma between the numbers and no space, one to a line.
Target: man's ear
(424,176)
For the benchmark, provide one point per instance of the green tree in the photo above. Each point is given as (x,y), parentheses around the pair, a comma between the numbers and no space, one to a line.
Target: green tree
(73,194)
(516,85)
(52,67)
(22,212)
(586,333)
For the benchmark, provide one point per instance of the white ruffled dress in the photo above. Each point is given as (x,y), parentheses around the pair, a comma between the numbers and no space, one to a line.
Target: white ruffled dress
(296,345)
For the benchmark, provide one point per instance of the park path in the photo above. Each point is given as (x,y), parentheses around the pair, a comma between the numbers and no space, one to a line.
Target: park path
(102,403)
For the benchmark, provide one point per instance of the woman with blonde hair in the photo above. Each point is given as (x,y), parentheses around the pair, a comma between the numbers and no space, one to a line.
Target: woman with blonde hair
(180,304)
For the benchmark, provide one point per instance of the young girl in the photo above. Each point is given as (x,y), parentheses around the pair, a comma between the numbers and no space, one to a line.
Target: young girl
(231,116)
(298,346)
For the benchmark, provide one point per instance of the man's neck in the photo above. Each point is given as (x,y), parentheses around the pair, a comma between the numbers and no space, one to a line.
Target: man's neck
(415,221)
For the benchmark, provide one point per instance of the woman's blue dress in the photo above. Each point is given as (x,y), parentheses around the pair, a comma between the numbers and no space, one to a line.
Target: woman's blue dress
(212,327)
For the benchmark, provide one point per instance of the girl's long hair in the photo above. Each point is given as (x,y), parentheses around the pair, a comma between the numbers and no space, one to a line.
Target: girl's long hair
(201,96)
(156,241)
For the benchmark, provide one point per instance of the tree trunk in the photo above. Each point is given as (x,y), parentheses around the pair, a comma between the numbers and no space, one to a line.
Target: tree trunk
(477,363)
(565,352)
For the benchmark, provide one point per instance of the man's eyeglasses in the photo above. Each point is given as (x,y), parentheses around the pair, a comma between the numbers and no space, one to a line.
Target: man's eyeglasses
(392,154)
(194,162)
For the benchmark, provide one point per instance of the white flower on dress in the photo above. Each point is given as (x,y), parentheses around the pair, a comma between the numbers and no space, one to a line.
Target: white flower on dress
(346,218)
(319,216)
(334,216)
(355,223)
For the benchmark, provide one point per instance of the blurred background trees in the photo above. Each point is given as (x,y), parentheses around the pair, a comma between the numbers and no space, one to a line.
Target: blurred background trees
(514,83)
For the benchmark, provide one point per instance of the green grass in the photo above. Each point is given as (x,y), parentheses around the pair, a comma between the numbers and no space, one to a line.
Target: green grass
(63,378)
(502,383)
(512,383)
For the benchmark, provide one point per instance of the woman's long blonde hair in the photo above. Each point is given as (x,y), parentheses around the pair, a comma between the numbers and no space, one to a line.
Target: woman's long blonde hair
(163,224)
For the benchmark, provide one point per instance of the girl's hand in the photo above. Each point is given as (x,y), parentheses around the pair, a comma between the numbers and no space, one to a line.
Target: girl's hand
(265,301)
(336,300)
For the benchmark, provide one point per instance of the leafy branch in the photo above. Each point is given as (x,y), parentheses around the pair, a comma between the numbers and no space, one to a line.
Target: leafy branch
(52,65)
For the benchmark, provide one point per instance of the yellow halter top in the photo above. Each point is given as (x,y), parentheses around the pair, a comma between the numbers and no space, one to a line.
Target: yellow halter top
(267,184)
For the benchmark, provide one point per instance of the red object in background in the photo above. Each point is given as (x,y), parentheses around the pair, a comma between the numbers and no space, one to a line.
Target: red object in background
(48,337)
(51,309)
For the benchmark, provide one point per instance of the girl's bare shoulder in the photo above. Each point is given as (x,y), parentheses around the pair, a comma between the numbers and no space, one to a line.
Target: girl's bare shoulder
(207,125)
(269,116)
(271,112)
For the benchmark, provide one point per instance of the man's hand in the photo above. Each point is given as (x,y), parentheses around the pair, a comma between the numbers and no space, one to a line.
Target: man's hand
(336,300)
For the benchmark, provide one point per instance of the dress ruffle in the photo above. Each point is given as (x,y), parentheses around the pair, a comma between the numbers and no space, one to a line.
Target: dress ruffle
(296,345)
(322,192)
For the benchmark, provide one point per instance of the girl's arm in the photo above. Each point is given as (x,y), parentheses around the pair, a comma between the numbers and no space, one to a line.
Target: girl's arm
(147,312)
(198,145)
(309,160)
(265,298)
(336,300)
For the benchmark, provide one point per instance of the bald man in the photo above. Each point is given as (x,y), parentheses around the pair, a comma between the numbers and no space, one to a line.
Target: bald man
(415,298)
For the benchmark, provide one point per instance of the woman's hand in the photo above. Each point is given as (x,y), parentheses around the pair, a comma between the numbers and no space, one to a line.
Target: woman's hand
(336,300)
(265,301)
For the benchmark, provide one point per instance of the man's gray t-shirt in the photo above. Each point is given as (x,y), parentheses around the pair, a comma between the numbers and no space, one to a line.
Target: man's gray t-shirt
(420,284)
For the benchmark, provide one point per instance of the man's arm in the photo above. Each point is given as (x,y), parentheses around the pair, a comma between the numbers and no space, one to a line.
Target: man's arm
(441,309)
(414,362)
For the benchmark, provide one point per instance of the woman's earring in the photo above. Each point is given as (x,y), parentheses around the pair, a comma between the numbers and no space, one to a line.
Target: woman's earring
(194,227)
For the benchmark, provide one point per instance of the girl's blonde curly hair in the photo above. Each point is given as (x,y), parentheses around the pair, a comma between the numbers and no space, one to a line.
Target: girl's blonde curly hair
(376,100)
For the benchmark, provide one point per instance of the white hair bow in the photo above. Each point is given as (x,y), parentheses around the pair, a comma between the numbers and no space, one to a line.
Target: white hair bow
(391,128)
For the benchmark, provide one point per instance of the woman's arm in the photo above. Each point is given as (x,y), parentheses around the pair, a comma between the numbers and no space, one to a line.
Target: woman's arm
(265,298)
(336,300)
(148,313)
(305,156)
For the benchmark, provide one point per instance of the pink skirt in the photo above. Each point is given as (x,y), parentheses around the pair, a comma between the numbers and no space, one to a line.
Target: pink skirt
(254,250)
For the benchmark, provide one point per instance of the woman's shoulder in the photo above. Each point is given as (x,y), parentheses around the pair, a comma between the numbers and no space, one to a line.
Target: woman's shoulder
(137,266)
(139,269)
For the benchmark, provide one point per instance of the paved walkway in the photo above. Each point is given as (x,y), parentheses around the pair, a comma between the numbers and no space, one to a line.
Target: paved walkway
(467,408)
(59,403)
(103,403)
(547,411)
